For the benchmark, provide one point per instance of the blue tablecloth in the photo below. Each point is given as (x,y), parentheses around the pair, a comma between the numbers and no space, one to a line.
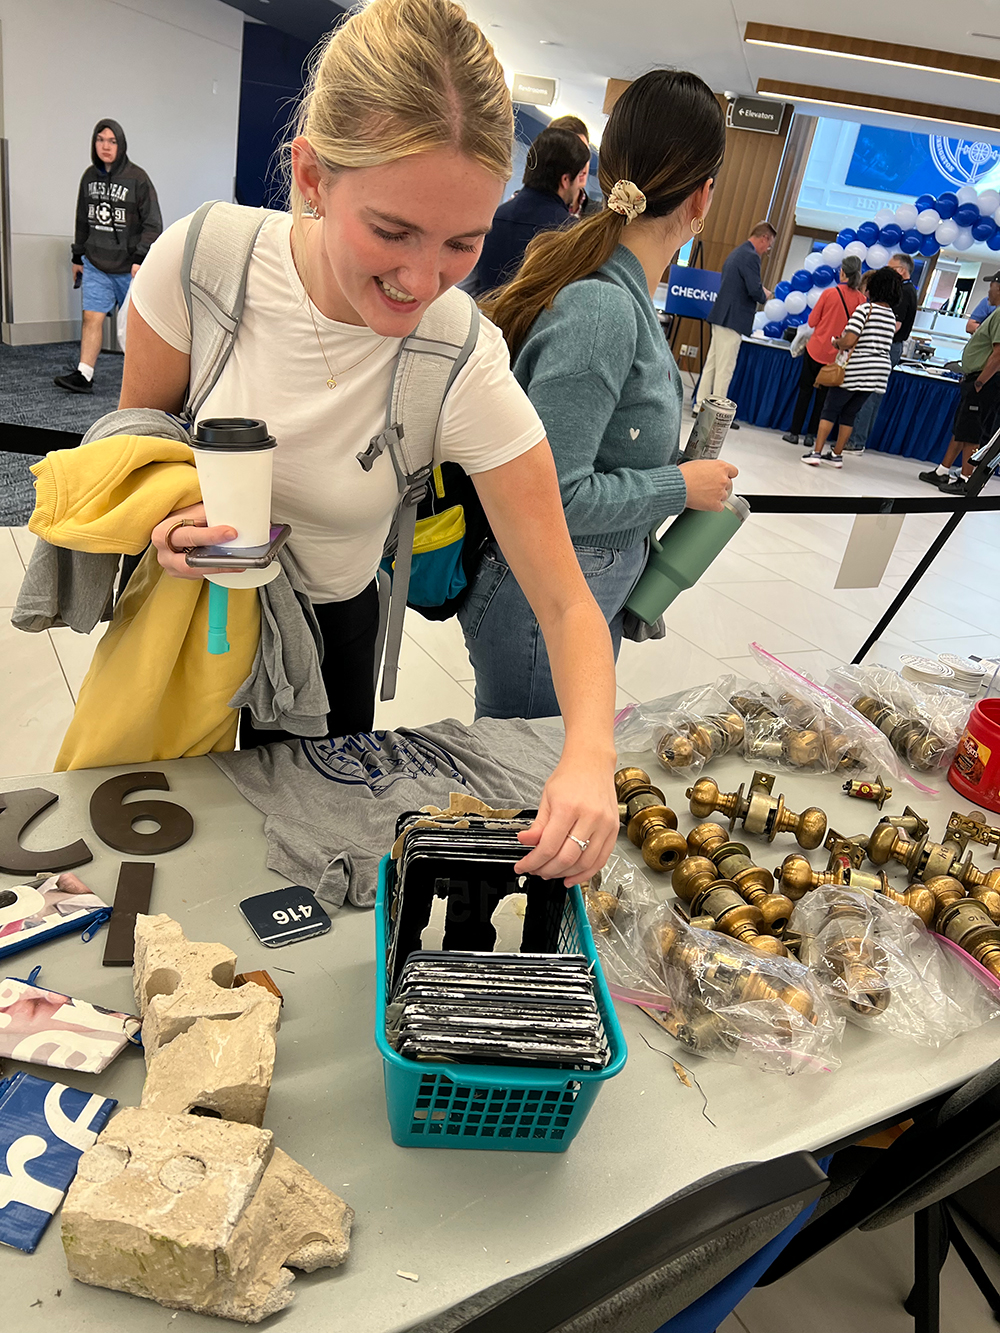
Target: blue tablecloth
(915,418)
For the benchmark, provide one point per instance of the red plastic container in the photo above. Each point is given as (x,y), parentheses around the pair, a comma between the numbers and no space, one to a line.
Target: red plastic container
(975,770)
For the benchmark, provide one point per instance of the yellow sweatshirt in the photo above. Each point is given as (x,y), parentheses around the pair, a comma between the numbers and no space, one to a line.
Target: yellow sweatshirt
(153,690)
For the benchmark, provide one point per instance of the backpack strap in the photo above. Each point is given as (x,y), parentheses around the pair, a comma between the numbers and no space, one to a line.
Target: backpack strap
(217,250)
(428,364)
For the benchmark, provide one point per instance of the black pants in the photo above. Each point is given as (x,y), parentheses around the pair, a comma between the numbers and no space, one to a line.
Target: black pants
(807,387)
(349,632)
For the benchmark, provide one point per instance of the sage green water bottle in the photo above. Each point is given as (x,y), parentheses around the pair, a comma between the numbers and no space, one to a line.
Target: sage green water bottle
(677,562)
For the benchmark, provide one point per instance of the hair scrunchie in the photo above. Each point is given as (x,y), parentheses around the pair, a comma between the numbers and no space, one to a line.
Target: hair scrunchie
(627,199)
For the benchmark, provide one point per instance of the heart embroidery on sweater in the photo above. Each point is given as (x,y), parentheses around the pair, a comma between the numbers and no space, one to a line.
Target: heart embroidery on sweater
(633,432)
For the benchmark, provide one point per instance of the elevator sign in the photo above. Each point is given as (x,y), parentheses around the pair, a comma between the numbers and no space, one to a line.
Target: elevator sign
(755,113)
(691,292)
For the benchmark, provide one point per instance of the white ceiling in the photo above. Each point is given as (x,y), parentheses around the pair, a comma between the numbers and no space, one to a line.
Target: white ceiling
(592,40)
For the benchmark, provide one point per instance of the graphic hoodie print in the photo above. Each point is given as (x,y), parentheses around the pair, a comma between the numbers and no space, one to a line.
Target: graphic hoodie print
(117,211)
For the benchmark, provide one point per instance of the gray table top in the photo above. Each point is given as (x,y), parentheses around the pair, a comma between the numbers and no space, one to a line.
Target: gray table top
(461,1220)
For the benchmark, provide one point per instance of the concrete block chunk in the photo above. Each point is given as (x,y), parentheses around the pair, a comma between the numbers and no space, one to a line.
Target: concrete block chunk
(198,1214)
(178,981)
(218,1065)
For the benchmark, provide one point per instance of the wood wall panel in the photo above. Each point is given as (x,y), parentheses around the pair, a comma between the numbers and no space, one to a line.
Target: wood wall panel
(863,48)
(741,199)
(790,178)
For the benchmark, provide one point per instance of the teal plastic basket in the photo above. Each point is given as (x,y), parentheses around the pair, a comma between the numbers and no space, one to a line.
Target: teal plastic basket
(513,1109)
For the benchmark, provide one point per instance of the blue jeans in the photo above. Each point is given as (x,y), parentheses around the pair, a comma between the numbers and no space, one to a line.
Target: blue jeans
(513,677)
(103,291)
(866,417)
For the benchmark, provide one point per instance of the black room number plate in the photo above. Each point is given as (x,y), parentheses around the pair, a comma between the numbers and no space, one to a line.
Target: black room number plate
(284,916)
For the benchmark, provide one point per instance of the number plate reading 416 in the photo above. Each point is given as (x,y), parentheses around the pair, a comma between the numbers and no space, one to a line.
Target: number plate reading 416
(285,916)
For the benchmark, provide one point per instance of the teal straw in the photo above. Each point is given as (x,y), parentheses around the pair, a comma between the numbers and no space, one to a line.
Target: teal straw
(218,614)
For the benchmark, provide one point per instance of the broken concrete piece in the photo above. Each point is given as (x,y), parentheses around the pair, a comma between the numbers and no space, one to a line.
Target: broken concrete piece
(223,1066)
(164,957)
(190,1212)
(292,1222)
(178,981)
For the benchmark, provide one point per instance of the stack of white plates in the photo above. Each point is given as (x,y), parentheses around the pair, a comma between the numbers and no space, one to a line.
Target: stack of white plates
(968,675)
(927,670)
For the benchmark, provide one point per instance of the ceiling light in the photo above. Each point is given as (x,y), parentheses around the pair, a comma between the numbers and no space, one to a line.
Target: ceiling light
(990,36)
(873,53)
(887,106)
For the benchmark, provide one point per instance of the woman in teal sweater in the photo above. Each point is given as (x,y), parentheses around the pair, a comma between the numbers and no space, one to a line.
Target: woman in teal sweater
(589,352)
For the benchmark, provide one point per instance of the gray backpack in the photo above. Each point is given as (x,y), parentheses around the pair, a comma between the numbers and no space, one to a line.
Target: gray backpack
(217,251)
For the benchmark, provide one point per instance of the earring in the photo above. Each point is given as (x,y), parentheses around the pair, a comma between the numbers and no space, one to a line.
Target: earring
(697,226)
(310,209)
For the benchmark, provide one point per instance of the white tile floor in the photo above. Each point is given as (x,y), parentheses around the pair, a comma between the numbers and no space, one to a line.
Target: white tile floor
(773,585)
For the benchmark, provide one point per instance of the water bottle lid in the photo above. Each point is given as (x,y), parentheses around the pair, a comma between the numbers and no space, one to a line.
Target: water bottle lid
(233,433)
(738,506)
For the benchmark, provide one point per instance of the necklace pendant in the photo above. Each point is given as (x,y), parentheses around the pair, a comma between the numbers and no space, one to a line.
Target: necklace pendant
(331,383)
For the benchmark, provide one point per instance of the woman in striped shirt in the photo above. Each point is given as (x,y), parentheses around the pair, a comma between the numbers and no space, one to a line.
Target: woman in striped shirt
(867,338)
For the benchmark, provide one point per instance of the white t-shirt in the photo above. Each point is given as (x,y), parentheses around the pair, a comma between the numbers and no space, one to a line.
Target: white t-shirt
(339,514)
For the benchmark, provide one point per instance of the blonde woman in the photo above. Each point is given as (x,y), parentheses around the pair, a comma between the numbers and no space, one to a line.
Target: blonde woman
(404,145)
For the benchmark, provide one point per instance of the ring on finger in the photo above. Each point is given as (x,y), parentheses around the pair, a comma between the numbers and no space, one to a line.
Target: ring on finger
(582,843)
(181,523)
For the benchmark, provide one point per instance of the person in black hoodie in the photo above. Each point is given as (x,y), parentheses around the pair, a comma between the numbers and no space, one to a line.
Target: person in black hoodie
(117,220)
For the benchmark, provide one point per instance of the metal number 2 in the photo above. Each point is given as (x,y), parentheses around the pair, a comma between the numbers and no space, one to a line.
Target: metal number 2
(17,810)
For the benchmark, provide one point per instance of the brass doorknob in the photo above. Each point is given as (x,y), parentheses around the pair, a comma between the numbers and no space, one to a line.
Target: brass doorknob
(967,924)
(796,876)
(736,917)
(693,876)
(704,839)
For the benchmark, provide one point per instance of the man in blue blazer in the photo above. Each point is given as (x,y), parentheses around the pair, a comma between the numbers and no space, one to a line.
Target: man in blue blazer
(740,293)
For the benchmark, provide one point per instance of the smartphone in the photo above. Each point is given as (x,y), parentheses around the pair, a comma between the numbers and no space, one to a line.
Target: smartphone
(78,281)
(239,557)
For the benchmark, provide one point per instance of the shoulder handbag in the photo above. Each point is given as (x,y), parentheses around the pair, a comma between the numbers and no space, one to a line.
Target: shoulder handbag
(832,376)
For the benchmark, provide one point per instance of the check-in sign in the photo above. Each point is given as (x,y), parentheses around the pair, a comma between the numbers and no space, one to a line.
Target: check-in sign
(691,292)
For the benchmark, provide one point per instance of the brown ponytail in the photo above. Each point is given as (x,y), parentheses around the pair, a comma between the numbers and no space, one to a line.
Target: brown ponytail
(667,134)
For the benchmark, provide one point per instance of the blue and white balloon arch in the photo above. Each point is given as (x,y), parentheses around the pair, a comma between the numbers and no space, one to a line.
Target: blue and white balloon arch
(954,219)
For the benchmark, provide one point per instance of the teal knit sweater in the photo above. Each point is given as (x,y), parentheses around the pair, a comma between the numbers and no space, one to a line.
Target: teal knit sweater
(602,378)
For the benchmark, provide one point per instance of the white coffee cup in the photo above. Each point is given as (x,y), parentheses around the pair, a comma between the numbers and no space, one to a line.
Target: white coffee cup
(233,456)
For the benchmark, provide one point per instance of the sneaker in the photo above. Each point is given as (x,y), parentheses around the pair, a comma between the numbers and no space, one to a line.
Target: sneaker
(790,438)
(933,477)
(811,459)
(75,382)
(831,459)
(734,425)
(954,486)
(809,441)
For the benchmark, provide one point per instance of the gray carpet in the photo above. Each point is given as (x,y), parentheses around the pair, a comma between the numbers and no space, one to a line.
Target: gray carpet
(29,398)
(17,489)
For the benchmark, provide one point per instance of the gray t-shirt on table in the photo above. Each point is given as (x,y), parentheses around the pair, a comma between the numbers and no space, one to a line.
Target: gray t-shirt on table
(331,806)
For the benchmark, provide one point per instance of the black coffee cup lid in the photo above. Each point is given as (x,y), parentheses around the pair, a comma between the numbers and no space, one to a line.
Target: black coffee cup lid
(237,433)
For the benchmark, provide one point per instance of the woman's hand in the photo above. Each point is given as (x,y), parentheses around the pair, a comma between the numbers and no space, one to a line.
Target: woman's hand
(579,799)
(708,482)
(200,535)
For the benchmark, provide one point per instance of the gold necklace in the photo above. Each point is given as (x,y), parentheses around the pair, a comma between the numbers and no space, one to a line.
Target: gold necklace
(332,381)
